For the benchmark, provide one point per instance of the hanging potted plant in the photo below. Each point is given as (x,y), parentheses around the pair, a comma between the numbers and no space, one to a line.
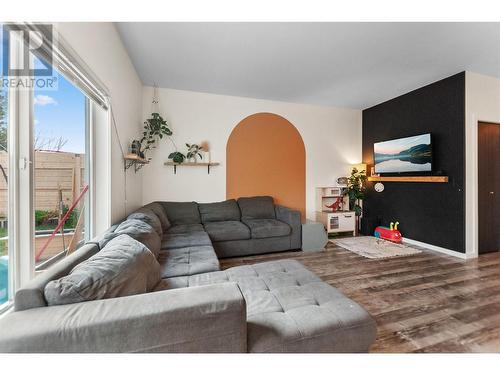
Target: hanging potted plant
(155,128)
(356,192)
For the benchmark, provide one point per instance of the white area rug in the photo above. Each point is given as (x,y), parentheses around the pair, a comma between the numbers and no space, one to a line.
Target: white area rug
(375,248)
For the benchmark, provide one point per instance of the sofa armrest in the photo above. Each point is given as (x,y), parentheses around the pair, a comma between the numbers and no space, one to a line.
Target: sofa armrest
(292,218)
(198,319)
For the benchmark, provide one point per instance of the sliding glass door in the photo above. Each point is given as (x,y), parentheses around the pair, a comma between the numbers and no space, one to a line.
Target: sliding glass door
(45,164)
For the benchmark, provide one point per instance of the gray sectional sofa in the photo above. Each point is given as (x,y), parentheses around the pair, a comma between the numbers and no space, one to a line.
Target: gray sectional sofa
(153,283)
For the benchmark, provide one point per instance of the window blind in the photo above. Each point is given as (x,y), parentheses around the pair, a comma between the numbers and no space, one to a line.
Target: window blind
(67,63)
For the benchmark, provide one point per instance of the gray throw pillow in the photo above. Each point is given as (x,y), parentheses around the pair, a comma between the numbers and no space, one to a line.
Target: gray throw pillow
(142,232)
(149,217)
(122,268)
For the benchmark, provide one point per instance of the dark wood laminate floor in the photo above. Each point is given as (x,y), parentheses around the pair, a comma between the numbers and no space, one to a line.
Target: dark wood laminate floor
(422,303)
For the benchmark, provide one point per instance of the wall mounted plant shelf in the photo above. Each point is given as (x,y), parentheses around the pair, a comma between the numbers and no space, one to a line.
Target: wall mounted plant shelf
(191,164)
(410,179)
(134,160)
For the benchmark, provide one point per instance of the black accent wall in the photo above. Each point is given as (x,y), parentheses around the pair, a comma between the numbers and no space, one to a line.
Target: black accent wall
(433,213)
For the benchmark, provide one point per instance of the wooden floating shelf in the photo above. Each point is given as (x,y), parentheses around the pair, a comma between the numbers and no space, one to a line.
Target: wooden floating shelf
(134,160)
(440,179)
(191,164)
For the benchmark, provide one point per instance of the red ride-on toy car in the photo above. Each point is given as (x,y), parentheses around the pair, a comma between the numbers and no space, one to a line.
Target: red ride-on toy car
(390,234)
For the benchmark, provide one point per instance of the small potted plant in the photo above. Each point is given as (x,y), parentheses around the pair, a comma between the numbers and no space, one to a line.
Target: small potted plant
(177,157)
(193,152)
(136,148)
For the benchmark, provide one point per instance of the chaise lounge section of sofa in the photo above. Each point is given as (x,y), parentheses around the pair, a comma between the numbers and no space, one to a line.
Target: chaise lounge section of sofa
(184,302)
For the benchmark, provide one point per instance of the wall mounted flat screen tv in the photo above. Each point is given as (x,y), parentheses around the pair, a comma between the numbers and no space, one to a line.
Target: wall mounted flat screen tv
(410,154)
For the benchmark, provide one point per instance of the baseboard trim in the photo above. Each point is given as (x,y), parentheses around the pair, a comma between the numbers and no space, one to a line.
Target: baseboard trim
(436,248)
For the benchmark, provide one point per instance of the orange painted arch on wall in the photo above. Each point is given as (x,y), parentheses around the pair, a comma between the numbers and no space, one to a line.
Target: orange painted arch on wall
(265,155)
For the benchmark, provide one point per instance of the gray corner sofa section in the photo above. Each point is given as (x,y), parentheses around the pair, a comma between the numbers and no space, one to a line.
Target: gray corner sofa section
(252,225)
(277,306)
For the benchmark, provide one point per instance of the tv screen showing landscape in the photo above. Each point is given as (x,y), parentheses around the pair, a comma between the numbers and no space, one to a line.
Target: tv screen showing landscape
(411,154)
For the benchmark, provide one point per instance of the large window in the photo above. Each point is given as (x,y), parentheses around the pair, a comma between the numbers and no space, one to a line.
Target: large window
(61,181)
(46,168)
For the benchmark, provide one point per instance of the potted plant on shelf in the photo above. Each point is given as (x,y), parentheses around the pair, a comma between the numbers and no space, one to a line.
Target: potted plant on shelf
(177,157)
(136,148)
(193,152)
(356,192)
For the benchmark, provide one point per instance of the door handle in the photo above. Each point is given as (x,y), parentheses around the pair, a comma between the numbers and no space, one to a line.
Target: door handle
(23,163)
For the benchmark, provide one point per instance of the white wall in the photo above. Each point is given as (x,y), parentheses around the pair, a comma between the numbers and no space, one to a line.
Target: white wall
(482,104)
(99,45)
(332,138)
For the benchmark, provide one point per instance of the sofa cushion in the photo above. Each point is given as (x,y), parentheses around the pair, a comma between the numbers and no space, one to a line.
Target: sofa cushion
(158,209)
(227,230)
(142,232)
(102,239)
(187,261)
(123,267)
(289,309)
(266,228)
(31,295)
(185,228)
(177,240)
(182,212)
(219,211)
(149,217)
(257,208)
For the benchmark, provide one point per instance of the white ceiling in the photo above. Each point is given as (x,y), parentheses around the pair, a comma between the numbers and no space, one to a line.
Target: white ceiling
(355,65)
